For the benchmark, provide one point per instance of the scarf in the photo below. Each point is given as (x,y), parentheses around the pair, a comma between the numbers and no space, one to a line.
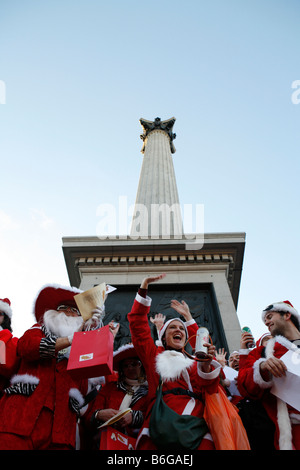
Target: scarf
(131,387)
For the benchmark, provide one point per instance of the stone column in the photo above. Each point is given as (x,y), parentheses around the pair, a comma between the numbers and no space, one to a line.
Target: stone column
(157,211)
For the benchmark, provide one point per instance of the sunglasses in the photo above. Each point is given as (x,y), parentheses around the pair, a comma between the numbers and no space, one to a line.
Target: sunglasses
(67,307)
(134,363)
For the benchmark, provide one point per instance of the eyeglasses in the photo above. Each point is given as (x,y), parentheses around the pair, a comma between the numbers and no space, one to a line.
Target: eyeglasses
(134,363)
(67,307)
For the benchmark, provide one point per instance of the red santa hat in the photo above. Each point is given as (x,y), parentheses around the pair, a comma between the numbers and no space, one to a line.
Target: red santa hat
(260,340)
(125,351)
(5,307)
(51,296)
(284,306)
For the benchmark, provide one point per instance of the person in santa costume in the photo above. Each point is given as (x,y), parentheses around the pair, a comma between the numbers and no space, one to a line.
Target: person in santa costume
(39,408)
(165,360)
(264,363)
(8,345)
(128,391)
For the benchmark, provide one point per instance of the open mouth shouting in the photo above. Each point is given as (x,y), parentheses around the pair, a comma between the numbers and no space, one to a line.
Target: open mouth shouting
(175,335)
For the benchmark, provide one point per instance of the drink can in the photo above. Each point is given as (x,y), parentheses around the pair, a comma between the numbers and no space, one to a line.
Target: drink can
(202,337)
(251,344)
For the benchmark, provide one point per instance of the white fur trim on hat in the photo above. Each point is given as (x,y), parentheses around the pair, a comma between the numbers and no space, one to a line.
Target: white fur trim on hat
(57,286)
(163,329)
(5,307)
(123,348)
(284,306)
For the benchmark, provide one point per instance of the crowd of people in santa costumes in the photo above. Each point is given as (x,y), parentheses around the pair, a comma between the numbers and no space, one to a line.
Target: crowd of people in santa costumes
(43,407)
(40,407)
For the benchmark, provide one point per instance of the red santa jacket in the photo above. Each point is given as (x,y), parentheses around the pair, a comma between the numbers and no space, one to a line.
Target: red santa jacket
(252,385)
(175,369)
(40,382)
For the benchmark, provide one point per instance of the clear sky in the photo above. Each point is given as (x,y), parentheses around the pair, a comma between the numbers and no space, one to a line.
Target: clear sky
(75,78)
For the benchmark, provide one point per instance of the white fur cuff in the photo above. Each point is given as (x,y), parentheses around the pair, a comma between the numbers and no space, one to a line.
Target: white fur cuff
(209,375)
(244,352)
(76,394)
(144,301)
(25,379)
(257,376)
(190,322)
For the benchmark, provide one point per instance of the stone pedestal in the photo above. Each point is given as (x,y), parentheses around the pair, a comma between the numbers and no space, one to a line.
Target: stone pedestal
(212,273)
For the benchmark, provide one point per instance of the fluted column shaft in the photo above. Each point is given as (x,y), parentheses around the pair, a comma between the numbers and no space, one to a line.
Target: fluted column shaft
(157,209)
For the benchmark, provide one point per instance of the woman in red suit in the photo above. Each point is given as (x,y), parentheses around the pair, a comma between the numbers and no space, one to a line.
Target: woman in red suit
(175,369)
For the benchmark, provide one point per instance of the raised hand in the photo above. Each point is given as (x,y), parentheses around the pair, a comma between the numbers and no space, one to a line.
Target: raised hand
(148,280)
(182,308)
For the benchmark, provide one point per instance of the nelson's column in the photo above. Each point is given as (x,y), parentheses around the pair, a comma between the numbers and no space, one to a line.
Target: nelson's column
(206,276)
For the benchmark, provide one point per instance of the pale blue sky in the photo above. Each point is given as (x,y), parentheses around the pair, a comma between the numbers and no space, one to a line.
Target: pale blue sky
(80,74)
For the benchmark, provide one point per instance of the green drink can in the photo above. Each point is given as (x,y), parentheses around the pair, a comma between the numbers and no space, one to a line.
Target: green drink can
(250,344)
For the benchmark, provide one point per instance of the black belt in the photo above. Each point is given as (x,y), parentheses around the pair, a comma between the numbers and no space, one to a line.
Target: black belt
(182,391)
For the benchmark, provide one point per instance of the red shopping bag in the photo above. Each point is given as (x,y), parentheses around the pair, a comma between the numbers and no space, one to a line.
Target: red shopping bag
(91,353)
(111,439)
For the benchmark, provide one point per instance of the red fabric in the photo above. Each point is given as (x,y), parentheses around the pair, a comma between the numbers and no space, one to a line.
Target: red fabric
(39,439)
(192,331)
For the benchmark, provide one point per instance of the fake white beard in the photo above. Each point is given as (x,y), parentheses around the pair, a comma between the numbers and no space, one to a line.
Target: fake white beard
(60,324)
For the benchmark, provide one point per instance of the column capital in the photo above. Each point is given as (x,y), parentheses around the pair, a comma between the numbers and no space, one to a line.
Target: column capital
(158,124)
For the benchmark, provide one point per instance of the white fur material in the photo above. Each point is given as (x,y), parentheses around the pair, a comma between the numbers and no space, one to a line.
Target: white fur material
(76,394)
(257,376)
(60,324)
(146,301)
(283,418)
(284,425)
(213,374)
(122,348)
(24,378)
(281,307)
(281,340)
(6,308)
(171,364)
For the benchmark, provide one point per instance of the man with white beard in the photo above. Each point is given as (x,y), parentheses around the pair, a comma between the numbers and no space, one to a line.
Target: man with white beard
(39,409)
